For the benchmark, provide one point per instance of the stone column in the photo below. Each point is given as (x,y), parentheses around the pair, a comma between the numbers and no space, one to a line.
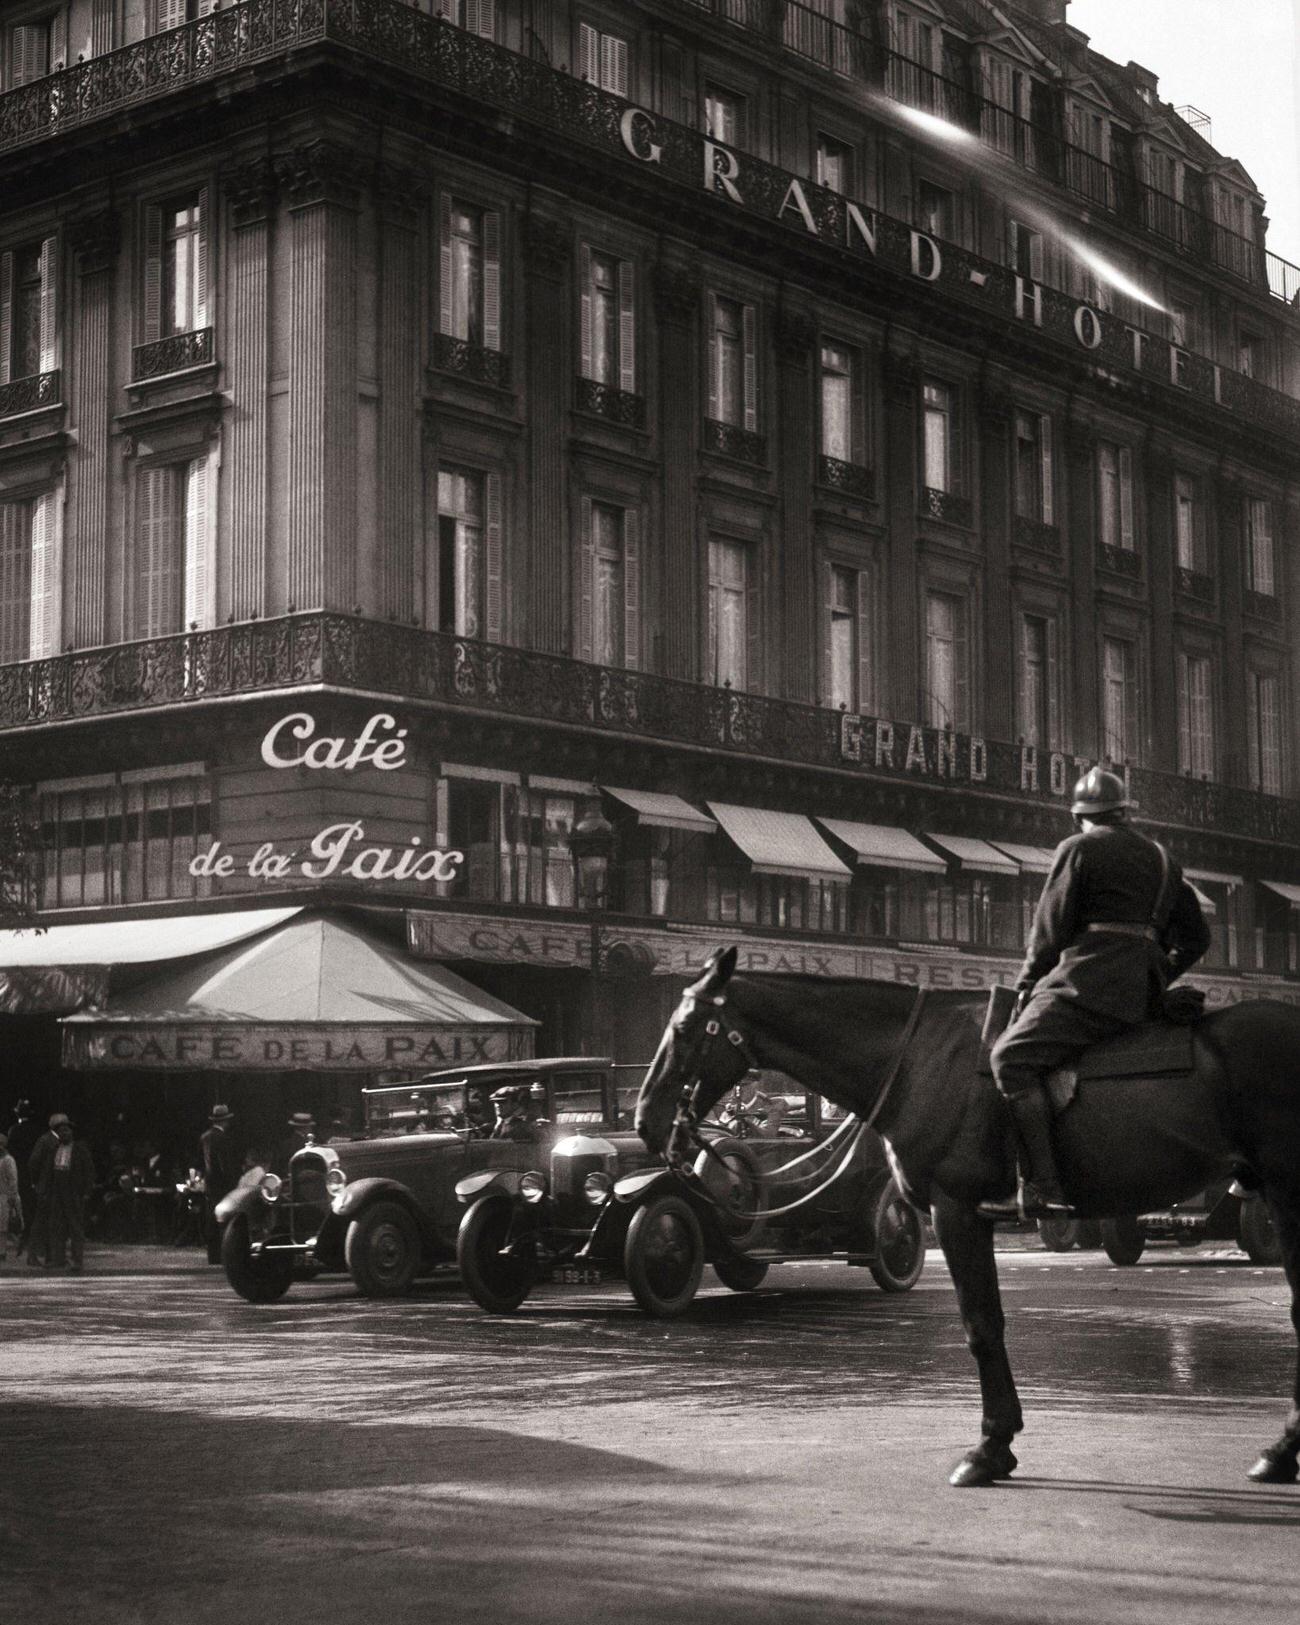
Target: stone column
(901,383)
(95,242)
(242,585)
(320,184)
(677,294)
(797,575)
(400,196)
(551,368)
(994,413)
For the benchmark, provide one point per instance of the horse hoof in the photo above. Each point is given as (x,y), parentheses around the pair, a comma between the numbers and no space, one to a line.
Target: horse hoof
(1271,1469)
(982,1467)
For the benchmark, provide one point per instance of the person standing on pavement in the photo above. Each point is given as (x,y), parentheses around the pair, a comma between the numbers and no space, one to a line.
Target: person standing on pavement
(67,1177)
(11,1207)
(24,1134)
(220,1174)
(37,1238)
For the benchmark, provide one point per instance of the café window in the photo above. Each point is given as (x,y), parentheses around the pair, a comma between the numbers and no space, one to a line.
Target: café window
(516,841)
(29,290)
(834,164)
(1039,689)
(1196,744)
(1115,496)
(1034,499)
(875,901)
(1189,526)
(733,655)
(1119,700)
(975,910)
(848,638)
(610,577)
(1260,557)
(947,662)
(124,840)
(734,895)
(173,551)
(608,319)
(466,584)
(30,570)
(602,59)
(724,115)
(470,273)
(941,440)
(664,872)
(1264,707)
(733,363)
(176,271)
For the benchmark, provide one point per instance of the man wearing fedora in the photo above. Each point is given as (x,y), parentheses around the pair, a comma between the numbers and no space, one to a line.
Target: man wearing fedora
(63,1174)
(220,1173)
(302,1131)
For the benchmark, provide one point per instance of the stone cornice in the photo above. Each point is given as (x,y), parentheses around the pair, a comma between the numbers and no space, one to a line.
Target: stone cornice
(319,172)
(250,190)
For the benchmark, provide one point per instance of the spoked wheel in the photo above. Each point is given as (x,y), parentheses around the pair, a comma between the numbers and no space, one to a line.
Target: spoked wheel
(497,1282)
(731,1174)
(740,1274)
(1058,1235)
(383,1251)
(900,1242)
(1123,1240)
(1256,1233)
(663,1256)
(258,1280)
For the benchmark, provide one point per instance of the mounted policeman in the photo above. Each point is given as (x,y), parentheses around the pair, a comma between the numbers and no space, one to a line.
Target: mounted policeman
(1115,924)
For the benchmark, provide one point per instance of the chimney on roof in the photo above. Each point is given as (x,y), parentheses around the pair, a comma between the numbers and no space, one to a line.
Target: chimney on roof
(1146,83)
(1046,11)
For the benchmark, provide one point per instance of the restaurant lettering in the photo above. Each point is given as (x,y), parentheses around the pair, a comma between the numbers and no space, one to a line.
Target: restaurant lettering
(185,1047)
(368,749)
(335,853)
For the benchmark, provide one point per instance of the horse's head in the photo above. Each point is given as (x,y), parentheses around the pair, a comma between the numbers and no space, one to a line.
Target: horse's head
(701,1055)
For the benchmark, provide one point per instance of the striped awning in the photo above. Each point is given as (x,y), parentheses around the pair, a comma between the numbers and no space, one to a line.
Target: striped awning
(976,857)
(662,811)
(779,843)
(884,846)
(1034,860)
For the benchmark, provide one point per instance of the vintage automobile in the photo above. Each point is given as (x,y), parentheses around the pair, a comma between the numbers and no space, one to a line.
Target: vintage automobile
(1220,1213)
(598,1211)
(384,1208)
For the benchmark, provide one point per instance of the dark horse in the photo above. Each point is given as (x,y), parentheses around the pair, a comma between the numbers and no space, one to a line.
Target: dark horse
(874,1047)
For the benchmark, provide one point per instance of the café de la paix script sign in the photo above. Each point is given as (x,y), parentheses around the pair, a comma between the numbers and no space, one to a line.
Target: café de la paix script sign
(339,851)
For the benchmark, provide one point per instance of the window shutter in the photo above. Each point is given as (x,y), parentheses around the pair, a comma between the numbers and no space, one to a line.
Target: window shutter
(1127,537)
(491,279)
(627,326)
(206,7)
(753,619)
(152,273)
(202,269)
(6,314)
(866,671)
(1023,701)
(586,583)
(961,667)
(49,304)
(956,442)
(47,575)
(585,304)
(197,546)
(1053,686)
(28,50)
(1131,704)
(613,52)
(714,401)
(1253,724)
(59,40)
(168,14)
(159,582)
(827,572)
(1184,717)
(588,54)
(858,410)
(494,562)
(15,581)
(632,588)
(446,320)
(481,18)
(1045,464)
(748,325)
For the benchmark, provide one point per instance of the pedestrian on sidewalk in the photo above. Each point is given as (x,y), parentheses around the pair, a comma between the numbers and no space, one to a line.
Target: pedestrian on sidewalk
(11,1207)
(23,1135)
(220,1174)
(67,1179)
(37,1237)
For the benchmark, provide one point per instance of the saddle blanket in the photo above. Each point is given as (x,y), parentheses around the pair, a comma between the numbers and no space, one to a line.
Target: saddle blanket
(1157,1050)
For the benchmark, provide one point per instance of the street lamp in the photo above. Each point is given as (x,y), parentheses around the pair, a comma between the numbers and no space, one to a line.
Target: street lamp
(592,845)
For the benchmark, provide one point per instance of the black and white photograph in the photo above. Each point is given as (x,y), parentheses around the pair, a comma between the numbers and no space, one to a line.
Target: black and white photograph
(649,812)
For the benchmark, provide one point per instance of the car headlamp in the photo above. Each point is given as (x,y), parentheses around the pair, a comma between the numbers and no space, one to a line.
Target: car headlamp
(270,1187)
(336,1181)
(532,1186)
(596,1187)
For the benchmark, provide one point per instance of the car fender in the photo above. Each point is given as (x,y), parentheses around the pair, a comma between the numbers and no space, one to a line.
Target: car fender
(243,1199)
(362,1192)
(645,1183)
(634,1190)
(503,1182)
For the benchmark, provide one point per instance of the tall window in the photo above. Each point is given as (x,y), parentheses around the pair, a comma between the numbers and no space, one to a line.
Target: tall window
(470,303)
(29,284)
(1250,354)
(602,59)
(172,553)
(838,437)
(182,273)
(733,376)
(1183,325)
(1259,545)
(462,518)
(1264,698)
(947,662)
(1025,250)
(1189,526)
(1006,120)
(724,116)
(1040,703)
(1119,700)
(849,668)
(1034,467)
(15,581)
(941,462)
(1195,716)
(834,167)
(36,48)
(608,320)
(1115,496)
(124,842)
(936,211)
(729,615)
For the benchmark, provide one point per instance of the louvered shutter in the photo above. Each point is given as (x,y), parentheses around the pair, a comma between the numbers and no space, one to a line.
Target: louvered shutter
(159,568)
(1127,533)
(49,304)
(1184,716)
(588,53)
(481,18)
(47,575)
(956,441)
(866,663)
(168,14)
(202,269)
(153,251)
(29,49)
(493,562)
(6,315)
(1024,691)
(631,589)
(1036,268)
(491,279)
(585,310)
(1132,703)
(715,354)
(586,583)
(58,40)
(1053,674)
(1045,468)
(206,7)
(446,269)
(748,326)
(15,581)
(1254,723)
(197,610)
(754,641)
(858,408)
(627,326)
(826,575)
(613,54)
(961,667)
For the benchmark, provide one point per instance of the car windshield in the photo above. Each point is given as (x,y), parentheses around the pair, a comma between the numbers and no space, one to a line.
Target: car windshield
(428,1108)
(578,1097)
(770,1104)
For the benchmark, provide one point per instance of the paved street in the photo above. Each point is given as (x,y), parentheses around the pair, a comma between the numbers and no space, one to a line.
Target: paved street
(168,1452)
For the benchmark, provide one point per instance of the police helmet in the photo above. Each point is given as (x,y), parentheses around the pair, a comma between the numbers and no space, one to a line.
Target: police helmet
(1098,791)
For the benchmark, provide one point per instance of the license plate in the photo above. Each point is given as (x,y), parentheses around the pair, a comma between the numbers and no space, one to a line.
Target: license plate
(576,1275)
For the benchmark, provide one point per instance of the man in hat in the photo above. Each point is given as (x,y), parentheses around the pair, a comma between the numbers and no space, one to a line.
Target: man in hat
(220,1174)
(302,1131)
(1115,924)
(63,1178)
(36,1238)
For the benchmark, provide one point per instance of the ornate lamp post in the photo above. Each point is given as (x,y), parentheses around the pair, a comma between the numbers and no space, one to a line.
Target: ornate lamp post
(592,844)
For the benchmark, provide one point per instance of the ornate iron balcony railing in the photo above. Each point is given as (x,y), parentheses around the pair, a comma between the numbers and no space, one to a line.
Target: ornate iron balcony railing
(1124,561)
(31,393)
(176,353)
(468,360)
(1036,534)
(851,478)
(1195,584)
(1263,605)
(604,401)
(348,652)
(947,505)
(729,440)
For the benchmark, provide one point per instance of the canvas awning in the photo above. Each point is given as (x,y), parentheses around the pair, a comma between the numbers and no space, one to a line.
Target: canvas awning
(1208,905)
(318,994)
(662,811)
(1284,888)
(1034,860)
(975,857)
(779,843)
(884,846)
(1214,877)
(65,967)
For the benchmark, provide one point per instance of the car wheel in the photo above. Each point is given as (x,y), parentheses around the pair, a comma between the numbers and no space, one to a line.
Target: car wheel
(1058,1235)
(495,1283)
(383,1250)
(733,1177)
(741,1274)
(1256,1232)
(259,1280)
(900,1242)
(663,1256)
(1123,1240)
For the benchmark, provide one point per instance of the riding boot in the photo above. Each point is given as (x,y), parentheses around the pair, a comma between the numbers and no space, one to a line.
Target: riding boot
(1041,1194)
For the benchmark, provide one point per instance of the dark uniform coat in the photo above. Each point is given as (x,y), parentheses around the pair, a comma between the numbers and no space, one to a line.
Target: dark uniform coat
(220,1176)
(1084,985)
